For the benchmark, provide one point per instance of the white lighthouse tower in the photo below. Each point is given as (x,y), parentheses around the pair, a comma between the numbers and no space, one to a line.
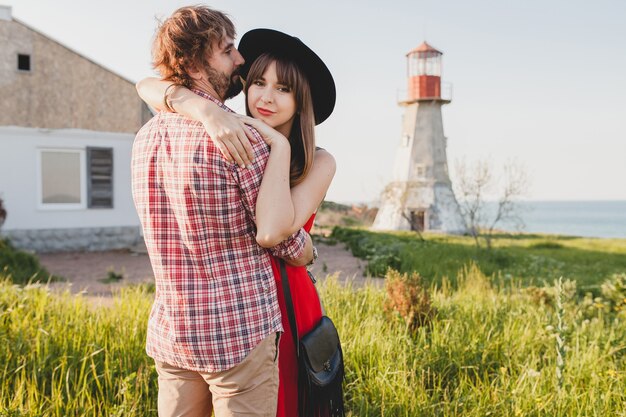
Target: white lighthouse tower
(420,196)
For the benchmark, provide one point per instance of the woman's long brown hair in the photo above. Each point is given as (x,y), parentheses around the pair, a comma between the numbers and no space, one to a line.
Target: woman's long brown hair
(302,135)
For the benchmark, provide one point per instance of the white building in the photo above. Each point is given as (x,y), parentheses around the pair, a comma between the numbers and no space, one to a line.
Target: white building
(66,131)
(420,195)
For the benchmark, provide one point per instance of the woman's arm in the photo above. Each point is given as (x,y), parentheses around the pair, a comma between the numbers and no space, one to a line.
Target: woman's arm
(284,216)
(280,210)
(227,132)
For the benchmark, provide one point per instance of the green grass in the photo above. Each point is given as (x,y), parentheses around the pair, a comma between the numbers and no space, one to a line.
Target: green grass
(534,259)
(490,350)
(59,356)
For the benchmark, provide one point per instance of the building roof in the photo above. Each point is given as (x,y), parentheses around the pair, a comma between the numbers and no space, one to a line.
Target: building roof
(424,47)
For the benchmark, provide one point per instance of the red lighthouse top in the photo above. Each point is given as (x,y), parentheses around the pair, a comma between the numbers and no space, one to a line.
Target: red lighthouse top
(424,47)
(424,72)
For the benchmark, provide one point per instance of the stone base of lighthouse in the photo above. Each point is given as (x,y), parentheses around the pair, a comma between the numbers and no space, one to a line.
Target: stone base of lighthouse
(419,205)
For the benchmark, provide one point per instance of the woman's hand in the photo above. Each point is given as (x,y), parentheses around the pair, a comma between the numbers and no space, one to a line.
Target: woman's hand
(230,134)
(271,136)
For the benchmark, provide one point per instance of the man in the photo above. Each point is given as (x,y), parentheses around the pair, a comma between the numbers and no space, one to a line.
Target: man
(214,325)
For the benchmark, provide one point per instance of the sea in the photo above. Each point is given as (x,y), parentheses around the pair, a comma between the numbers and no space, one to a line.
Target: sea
(604,219)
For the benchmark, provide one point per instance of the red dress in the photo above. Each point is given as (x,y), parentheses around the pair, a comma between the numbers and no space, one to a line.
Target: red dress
(308,313)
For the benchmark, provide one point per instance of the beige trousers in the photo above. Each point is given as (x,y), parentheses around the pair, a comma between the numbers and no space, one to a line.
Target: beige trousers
(248,389)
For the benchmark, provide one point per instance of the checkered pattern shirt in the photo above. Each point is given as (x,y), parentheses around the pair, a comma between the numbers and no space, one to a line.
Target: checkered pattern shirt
(215,292)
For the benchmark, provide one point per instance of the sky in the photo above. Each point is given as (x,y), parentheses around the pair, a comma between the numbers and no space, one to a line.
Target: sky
(539,82)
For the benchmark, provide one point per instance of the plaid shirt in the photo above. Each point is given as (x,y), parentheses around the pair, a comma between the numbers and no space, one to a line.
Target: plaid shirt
(215,292)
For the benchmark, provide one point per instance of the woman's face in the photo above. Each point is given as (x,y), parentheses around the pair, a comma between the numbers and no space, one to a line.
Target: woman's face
(271,101)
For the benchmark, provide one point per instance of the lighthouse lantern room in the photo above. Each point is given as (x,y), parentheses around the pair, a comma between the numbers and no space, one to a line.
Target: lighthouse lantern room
(424,72)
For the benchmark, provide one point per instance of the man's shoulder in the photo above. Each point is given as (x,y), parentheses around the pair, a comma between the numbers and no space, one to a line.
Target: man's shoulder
(172,122)
(260,148)
(177,121)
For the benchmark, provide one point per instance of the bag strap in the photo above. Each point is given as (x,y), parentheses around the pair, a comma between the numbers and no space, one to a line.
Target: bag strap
(289,304)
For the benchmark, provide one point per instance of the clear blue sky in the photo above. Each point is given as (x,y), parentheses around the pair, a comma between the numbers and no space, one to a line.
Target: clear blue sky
(542,82)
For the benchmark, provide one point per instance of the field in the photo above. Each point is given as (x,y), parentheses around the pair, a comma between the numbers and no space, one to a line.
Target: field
(530,258)
(503,339)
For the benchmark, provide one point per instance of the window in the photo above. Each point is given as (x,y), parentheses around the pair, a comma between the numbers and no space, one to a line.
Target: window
(76,178)
(420,171)
(23,62)
(100,177)
(61,179)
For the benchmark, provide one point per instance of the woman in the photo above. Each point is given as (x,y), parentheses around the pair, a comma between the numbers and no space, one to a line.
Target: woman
(288,90)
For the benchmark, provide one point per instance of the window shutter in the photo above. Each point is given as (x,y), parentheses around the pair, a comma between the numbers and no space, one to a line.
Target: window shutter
(100,177)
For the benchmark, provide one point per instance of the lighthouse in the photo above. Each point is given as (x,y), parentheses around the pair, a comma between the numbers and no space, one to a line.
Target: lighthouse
(420,196)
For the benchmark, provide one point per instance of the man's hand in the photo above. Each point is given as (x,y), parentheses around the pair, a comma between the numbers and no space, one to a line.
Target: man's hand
(307,254)
(230,135)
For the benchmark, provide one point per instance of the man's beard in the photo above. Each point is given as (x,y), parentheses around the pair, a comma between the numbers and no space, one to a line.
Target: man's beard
(227,87)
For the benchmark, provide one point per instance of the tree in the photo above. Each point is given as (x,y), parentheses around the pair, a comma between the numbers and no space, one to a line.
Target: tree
(477,185)
(414,224)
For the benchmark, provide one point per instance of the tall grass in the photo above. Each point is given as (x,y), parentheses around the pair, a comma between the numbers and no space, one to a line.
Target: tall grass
(490,350)
(59,356)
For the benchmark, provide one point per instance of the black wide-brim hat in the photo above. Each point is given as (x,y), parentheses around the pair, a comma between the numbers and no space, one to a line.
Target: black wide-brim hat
(260,41)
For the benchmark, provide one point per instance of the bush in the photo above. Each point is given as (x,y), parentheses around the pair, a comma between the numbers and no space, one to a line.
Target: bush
(407,297)
(379,263)
(614,292)
(21,267)
(381,251)
(546,245)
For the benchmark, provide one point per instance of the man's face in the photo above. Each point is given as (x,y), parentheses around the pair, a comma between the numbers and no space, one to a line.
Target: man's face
(222,70)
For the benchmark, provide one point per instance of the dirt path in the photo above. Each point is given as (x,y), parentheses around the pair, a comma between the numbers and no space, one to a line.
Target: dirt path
(86,272)
(338,260)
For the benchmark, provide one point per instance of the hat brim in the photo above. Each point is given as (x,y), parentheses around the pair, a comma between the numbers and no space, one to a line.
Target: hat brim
(260,41)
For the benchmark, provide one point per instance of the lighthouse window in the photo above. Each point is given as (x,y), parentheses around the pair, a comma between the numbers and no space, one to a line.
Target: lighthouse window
(433,66)
(430,66)
(421,171)
(421,67)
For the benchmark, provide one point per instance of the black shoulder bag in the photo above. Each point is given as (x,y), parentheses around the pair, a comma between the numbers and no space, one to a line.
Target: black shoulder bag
(320,363)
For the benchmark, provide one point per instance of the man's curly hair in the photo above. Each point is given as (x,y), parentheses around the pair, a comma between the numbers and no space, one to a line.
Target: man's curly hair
(185,40)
